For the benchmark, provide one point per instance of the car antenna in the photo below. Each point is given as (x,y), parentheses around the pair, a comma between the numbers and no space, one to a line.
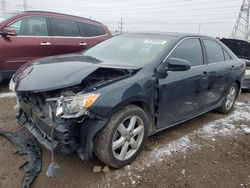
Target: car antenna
(53,168)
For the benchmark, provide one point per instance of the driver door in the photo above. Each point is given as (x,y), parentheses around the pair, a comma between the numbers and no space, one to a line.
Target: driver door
(180,91)
(31,42)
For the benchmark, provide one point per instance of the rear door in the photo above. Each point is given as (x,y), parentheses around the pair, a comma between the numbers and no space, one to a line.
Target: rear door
(66,36)
(32,41)
(220,69)
(180,92)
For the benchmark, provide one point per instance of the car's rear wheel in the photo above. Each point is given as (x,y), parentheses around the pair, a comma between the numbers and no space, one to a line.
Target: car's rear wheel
(229,100)
(119,143)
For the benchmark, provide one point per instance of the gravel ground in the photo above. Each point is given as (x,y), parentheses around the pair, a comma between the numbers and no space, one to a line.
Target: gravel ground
(209,151)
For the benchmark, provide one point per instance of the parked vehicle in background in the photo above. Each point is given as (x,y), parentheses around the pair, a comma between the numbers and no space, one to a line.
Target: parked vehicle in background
(34,34)
(117,93)
(241,48)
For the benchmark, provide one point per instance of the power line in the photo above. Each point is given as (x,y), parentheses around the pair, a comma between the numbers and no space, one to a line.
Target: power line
(173,23)
(170,16)
(138,6)
(157,7)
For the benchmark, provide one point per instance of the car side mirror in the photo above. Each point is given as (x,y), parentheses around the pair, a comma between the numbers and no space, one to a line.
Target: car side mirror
(8,32)
(176,64)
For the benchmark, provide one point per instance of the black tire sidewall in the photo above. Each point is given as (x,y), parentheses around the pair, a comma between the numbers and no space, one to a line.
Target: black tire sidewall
(114,123)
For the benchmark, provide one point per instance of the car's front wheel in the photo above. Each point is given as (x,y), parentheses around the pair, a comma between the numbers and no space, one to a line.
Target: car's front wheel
(229,100)
(119,143)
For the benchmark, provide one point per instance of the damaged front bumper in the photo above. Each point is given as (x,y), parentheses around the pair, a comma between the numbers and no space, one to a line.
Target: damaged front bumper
(68,134)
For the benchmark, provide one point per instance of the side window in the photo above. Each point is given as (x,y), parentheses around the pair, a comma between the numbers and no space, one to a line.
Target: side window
(214,51)
(90,30)
(30,26)
(227,57)
(62,27)
(190,50)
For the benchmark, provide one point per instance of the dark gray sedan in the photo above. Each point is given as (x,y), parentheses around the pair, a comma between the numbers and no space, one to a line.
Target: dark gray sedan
(109,99)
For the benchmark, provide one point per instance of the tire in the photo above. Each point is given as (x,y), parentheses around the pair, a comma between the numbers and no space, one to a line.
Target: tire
(106,141)
(229,100)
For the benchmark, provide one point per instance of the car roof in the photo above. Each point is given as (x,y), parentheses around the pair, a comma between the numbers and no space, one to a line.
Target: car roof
(48,13)
(171,34)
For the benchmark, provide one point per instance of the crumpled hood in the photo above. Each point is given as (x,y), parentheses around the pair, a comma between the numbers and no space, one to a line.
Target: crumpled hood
(57,72)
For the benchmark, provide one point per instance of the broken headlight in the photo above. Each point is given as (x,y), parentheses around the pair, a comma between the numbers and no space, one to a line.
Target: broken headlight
(75,106)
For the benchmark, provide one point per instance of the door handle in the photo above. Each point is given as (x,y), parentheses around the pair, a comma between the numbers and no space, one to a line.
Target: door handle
(205,73)
(45,43)
(83,44)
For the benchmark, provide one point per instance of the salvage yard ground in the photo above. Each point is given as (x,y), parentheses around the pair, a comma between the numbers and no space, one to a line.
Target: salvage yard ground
(209,151)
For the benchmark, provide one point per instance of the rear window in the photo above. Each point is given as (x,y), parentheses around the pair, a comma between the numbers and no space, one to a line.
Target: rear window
(62,27)
(90,30)
(214,51)
(227,57)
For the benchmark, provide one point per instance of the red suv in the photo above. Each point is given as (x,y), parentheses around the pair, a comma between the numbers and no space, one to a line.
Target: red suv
(34,34)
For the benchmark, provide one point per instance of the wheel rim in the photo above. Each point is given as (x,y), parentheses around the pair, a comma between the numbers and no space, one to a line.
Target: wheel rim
(128,138)
(230,98)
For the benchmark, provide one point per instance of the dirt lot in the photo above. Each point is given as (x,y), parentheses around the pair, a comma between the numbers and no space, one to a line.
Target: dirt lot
(209,151)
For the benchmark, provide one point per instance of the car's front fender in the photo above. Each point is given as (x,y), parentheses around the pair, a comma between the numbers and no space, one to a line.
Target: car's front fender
(116,95)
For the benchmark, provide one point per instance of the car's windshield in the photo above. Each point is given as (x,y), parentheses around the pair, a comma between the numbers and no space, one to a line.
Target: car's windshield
(5,16)
(131,49)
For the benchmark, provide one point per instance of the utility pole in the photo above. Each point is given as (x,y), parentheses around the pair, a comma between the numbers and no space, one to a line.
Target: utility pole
(199,30)
(120,25)
(3,6)
(25,5)
(241,27)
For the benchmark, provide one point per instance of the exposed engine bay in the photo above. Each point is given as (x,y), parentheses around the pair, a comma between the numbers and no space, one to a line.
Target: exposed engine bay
(100,77)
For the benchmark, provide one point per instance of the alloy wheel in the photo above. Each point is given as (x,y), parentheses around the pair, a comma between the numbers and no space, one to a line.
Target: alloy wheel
(230,98)
(128,138)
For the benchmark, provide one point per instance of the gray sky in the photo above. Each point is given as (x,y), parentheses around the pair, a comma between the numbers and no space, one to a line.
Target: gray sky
(217,17)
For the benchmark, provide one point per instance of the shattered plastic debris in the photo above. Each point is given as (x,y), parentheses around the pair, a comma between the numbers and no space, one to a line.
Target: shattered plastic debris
(25,146)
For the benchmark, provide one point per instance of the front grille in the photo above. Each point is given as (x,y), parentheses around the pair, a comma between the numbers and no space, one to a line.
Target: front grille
(36,101)
(66,132)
